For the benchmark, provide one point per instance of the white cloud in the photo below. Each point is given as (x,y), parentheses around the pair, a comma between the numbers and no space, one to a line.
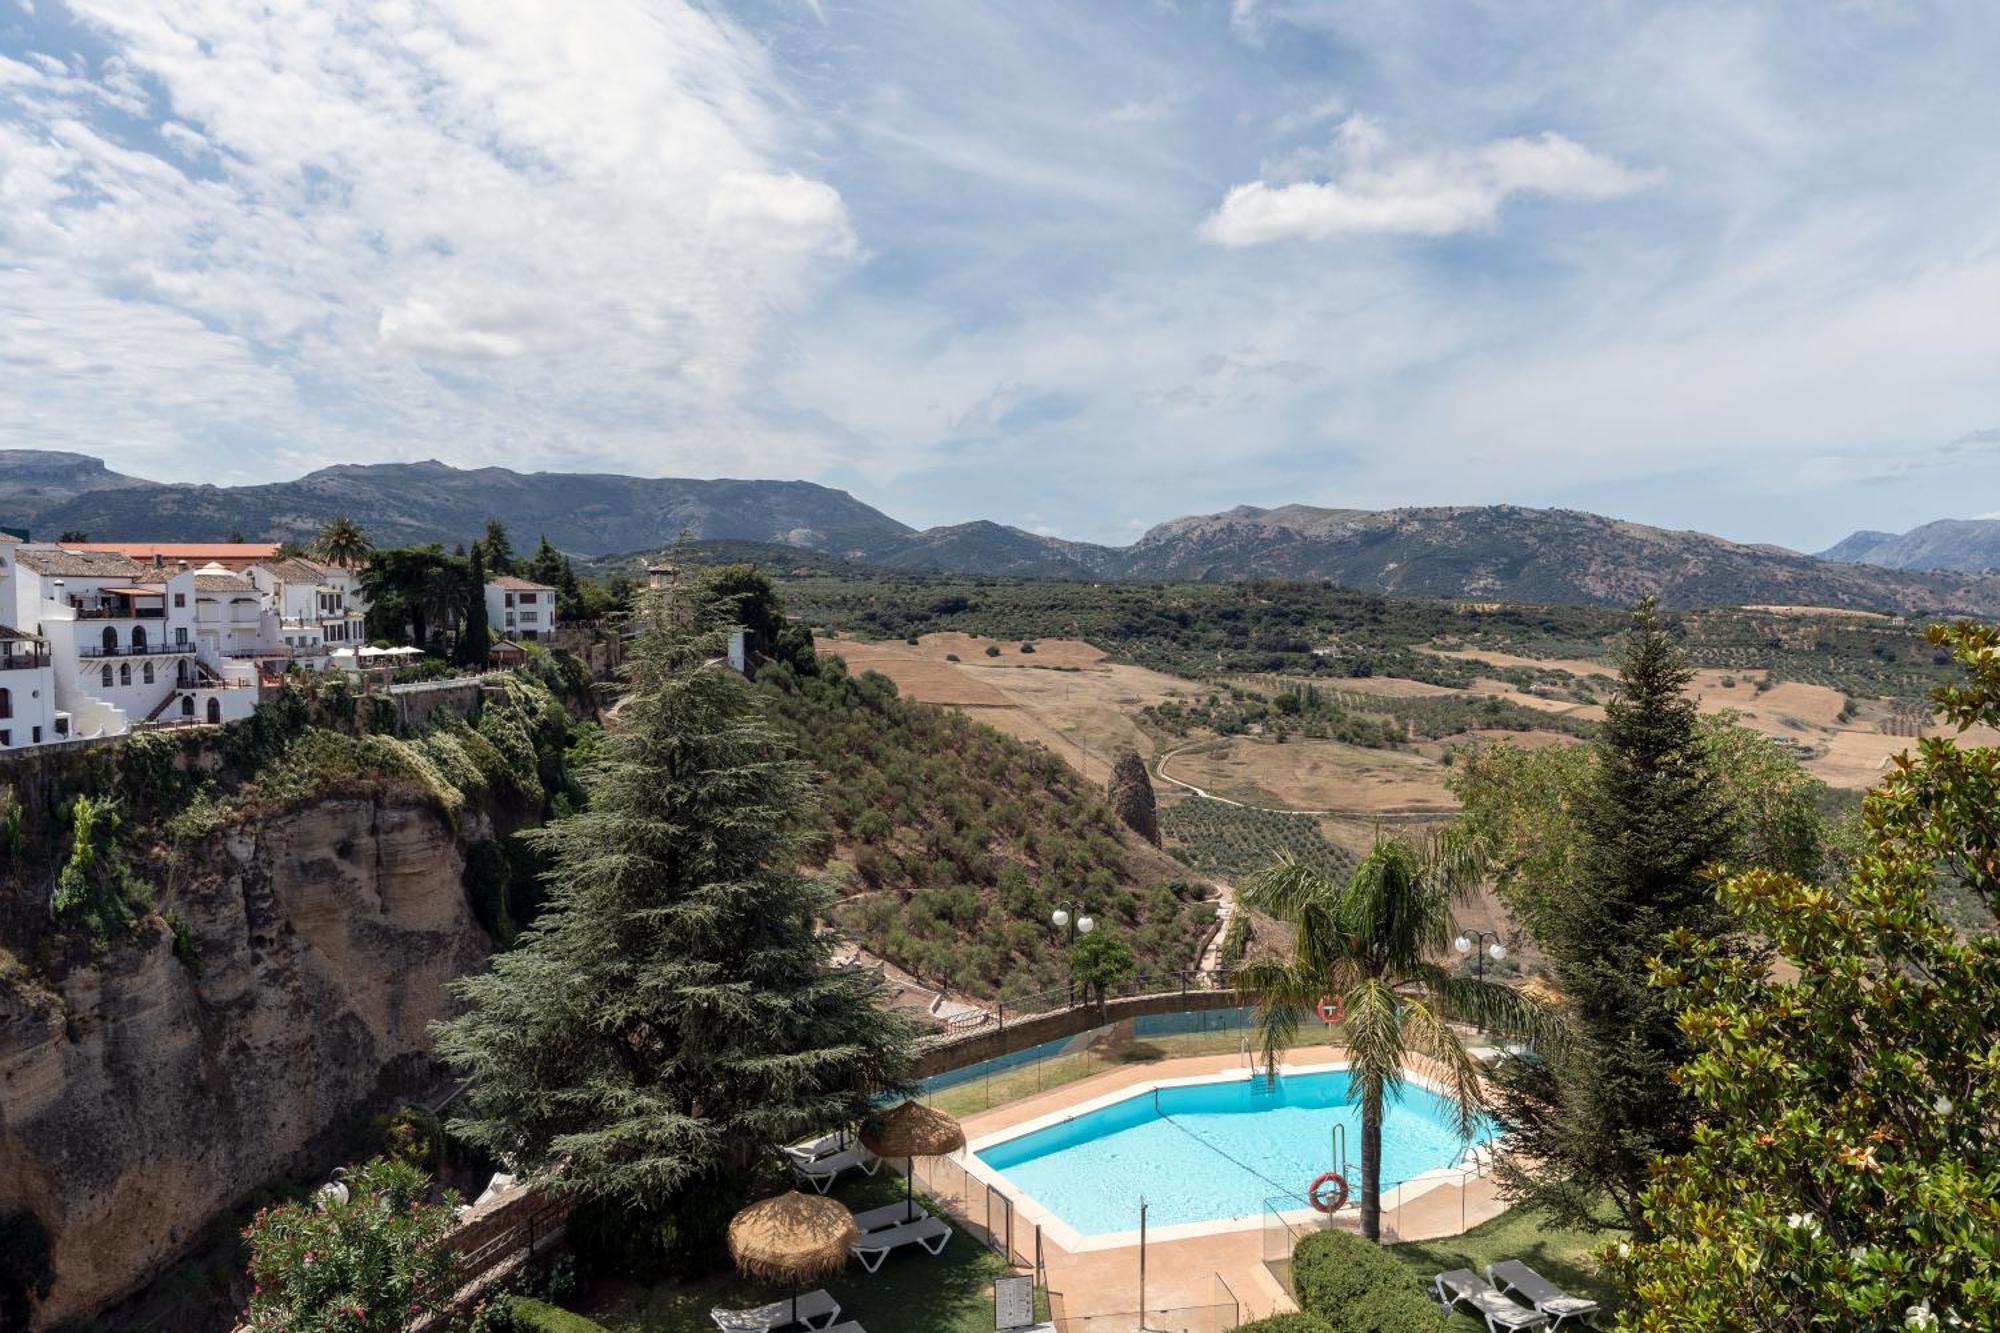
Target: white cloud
(1426,194)
(1143,110)
(451,226)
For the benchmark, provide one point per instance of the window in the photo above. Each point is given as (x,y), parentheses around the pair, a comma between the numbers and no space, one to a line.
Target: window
(6,739)
(6,703)
(107,674)
(510,599)
(110,641)
(527,599)
(146,673)
(180,636)
(38,735)
(138,638)
(124,673)
(180,599)
(214,709)
(187,705)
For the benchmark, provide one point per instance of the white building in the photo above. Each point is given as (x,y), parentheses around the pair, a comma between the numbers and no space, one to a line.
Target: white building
(28,713)
(314,609)
(123,640)
(520,609)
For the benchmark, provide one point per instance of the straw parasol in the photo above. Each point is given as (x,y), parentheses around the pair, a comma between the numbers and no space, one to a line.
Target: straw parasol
(792,1238)
(909,1131)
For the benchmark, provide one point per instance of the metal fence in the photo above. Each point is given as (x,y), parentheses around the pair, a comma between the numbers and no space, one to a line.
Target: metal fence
(1221,1313)
(1182,982)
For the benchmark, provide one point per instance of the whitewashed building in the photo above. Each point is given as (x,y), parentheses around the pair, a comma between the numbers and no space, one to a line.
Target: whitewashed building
(315,609)
(520,609)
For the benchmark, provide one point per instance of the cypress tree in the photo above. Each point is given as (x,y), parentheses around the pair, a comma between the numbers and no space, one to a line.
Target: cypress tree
(672,1016)
(1587,1123)
(475,641)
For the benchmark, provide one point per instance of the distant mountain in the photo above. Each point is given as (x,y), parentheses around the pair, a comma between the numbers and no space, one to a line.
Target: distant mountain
(1968,545)
(400,503)
(1493,552)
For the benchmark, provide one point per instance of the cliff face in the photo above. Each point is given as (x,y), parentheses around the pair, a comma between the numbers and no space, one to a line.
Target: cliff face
(143,1096)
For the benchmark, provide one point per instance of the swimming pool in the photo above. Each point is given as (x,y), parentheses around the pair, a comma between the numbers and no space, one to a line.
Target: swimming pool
(1214,1151)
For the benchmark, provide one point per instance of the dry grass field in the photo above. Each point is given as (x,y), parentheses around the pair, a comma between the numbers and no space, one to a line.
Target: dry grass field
(1316,775)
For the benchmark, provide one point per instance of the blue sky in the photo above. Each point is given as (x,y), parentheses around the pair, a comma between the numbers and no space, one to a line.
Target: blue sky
(1079,267)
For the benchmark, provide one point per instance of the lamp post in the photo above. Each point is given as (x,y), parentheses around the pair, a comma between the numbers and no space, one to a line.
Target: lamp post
(1079,922)
(1468,940)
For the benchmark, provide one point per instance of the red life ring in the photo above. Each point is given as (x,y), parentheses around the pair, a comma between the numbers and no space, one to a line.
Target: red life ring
(1339,1199)
(1330,1009)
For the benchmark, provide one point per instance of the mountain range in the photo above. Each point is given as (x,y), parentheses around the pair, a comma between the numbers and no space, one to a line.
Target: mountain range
(1969,545)
(1490,552)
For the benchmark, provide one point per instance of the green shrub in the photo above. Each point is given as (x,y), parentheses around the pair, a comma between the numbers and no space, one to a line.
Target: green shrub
(1331,1270)
(1027,647)
(993,650)
(1288,1323)
(1390,1309)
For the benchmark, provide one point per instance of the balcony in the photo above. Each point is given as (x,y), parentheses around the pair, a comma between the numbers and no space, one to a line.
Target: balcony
(120,612)
(127,650)
(25,661)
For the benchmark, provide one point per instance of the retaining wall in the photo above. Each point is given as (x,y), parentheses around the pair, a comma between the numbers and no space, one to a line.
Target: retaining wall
(947,1053)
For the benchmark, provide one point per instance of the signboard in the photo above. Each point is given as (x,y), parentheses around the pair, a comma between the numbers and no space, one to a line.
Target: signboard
(1013,1302)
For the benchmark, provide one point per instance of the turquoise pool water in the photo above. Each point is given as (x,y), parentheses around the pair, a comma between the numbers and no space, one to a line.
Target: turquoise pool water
(1209,1151)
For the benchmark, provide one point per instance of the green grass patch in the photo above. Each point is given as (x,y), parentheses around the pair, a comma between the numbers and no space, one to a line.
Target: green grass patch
(913,1293)
(1562,1256)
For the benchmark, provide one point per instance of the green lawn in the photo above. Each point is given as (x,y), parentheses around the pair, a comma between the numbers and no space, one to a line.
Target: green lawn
(913,1293)
(1563,1257)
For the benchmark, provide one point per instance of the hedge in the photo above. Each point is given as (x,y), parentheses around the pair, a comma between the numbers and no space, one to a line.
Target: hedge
(1355,1286)
(1287,1323)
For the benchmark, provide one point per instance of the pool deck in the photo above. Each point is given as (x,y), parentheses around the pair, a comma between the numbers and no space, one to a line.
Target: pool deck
(1101,1274)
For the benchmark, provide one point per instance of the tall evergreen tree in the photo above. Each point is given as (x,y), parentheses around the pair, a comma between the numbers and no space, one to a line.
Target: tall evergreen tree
(475,641)
(496,547)
(1588,1122)
(546,564)
(672,1016)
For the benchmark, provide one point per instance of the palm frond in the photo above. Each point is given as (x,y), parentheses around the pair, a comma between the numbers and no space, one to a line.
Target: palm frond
(1442,1056)
(1374,1036)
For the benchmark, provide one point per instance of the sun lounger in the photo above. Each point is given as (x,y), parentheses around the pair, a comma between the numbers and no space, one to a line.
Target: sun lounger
(1517,1279)
(888,1215)
(930,1232)
(816,1309)
(812,1149)
(821,1171)
(1464,1287)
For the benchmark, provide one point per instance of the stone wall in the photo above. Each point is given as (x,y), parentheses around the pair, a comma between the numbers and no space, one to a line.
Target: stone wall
(942,1054)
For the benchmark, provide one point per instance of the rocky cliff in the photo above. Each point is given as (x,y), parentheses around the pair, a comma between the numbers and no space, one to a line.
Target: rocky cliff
(145,1092)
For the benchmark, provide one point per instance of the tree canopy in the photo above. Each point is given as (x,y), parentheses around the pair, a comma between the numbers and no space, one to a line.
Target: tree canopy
(1846,1169)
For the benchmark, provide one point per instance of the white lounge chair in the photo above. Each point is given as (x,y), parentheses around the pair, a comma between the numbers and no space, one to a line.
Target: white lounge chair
(820,1172)
(813,1149)
(933,1233)
(888,1215)
(1517,1279)
(1462,1286)
(815,1309)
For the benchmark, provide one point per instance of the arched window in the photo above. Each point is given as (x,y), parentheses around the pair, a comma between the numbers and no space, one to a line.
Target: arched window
(138,638)
(214,709)
(124,673)
(6,703)
(107,673)
(146,673)
(187,705)
(110,639)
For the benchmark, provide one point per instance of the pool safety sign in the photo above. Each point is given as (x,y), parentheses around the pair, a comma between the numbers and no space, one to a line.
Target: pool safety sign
(1013,1303)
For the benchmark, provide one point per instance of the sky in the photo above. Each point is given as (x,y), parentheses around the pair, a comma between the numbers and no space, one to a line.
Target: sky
(1078,267)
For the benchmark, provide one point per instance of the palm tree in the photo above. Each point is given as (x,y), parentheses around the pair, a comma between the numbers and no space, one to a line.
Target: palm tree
(343,543)
(1372,944)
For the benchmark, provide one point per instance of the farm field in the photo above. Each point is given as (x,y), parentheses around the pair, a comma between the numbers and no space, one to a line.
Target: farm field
(1315,775)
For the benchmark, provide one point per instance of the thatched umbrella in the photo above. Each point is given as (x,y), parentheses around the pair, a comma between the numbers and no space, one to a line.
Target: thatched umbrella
(909,1131)
(792,1237)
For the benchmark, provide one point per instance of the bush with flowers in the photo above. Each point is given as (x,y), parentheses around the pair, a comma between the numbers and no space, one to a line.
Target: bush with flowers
(374,1260)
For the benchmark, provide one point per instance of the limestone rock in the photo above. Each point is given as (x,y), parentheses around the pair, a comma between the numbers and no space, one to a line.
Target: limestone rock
(1130,793)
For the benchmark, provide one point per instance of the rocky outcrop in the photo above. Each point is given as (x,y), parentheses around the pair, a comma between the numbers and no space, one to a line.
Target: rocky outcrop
(1130,795)
(141,1095)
